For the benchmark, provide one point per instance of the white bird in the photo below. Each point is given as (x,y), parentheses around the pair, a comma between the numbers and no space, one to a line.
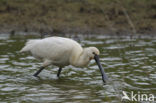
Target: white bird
(61,52)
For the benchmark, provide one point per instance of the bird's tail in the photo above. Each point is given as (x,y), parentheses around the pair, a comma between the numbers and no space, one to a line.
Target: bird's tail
(29,44)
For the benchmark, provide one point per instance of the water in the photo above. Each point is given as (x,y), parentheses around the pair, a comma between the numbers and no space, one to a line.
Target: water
(130,64)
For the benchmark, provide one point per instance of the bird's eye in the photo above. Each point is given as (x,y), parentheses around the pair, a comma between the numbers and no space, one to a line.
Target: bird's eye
(93,52)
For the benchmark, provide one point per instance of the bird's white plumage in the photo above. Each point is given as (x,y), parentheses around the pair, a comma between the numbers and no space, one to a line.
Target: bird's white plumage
(60,51)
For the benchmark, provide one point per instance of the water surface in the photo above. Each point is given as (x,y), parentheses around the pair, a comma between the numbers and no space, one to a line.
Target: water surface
(129,62)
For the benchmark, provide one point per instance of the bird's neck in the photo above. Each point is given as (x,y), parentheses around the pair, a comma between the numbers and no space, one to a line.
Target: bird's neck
(81,59)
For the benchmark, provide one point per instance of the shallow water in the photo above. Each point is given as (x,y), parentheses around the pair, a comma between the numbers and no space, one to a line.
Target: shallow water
(129,62)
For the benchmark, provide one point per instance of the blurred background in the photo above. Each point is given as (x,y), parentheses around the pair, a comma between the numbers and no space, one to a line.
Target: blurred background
(123,31)
(78,16)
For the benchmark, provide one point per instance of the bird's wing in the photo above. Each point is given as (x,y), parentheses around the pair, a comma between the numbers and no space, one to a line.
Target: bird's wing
(54,47)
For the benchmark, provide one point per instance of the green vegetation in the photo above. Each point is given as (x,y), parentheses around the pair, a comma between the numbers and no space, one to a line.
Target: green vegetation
(78,16)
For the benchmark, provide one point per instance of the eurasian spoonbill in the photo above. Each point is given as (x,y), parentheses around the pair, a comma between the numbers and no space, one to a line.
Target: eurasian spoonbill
(61,52)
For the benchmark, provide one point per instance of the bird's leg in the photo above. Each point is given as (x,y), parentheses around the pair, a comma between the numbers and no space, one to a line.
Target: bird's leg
(38,71)
(45,64)
(59,71)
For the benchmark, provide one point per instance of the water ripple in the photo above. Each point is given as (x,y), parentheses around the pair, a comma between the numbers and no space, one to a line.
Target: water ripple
(129,64)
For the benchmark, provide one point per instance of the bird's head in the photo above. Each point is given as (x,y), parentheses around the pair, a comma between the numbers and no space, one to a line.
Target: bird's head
(94,53)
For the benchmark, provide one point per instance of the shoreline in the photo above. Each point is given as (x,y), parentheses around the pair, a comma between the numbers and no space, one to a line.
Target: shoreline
(84,31)
(76,35)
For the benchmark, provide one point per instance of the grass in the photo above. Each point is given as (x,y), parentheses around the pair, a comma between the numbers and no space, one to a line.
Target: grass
(89,16)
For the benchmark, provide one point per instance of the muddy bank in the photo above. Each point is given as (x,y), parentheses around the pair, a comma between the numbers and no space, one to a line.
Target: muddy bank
(78,16)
